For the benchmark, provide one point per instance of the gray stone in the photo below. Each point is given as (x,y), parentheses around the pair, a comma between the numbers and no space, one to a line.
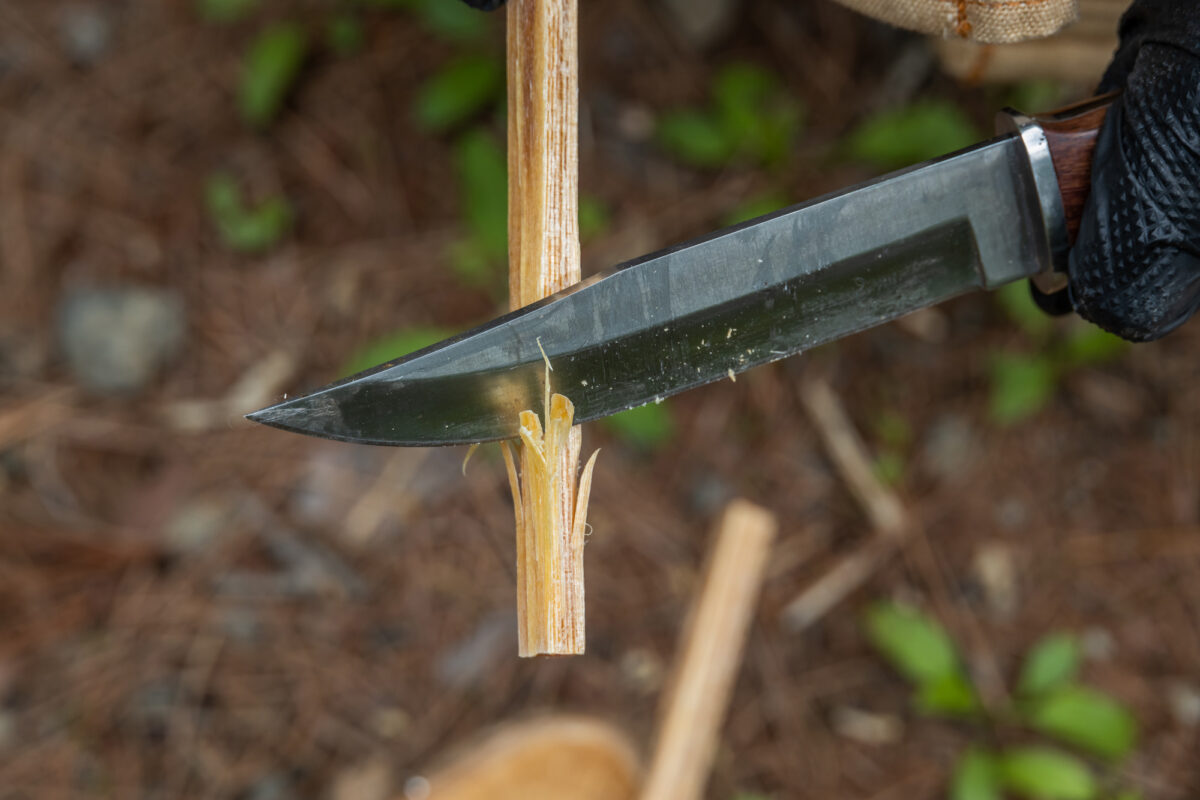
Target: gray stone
(1184,699)
(709,493)
(1097,644)
(949,447)
(272,786)
(195,526)
(86,32)
(466,662)
(116,339)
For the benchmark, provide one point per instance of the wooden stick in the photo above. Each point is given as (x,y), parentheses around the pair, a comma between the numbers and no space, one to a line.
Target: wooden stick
(711,651)
(880,504)
(543,257)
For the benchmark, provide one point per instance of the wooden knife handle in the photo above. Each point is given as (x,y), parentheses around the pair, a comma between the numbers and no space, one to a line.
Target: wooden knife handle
(1059,146)
(1071,136)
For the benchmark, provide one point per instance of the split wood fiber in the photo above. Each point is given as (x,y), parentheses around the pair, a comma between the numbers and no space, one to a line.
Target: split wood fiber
(710,654)
(543,257)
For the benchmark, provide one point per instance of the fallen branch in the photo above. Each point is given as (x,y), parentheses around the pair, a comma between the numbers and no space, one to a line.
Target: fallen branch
(710,654)
(888,517)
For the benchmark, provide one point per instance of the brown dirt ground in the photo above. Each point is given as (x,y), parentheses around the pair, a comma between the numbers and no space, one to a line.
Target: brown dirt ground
(322,624)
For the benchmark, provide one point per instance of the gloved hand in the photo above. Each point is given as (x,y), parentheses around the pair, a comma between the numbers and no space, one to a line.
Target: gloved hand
(1135,267)
(484,5)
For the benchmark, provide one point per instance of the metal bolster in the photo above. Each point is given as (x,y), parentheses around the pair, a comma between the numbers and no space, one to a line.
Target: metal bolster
(1045,181)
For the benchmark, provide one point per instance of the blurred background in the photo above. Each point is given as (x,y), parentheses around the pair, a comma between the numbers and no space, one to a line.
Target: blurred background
(205,204)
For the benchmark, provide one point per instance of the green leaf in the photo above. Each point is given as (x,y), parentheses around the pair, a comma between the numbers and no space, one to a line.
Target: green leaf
(473,265)
(1051,663)
(1128,794)
(1088,345)
(242,229)
(694,138)
(458,92)
(892,429)
(593,217)
(1035,96)
(916,133)
(454,22)
(741,87)
(224,10)
(393,346)
(1021,386)
(1086,718)
(344,34)
(483,185)
(1043,774)
(916,645)
(754,207)
(948,696)
(889,467)
(975,777)
(756,114)
(1018,305)
(645,427)
(270,69)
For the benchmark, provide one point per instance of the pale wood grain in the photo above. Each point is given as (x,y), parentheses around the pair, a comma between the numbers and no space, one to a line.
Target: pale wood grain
(543,257)
(707,663)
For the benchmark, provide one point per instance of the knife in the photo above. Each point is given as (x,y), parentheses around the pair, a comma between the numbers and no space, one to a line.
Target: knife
(997,212)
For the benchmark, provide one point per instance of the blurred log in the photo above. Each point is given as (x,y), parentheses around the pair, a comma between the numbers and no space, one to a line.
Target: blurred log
(547,759)
(710,655)
(543,257)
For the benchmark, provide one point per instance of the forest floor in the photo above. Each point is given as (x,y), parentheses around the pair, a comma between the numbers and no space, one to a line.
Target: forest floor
(195,606)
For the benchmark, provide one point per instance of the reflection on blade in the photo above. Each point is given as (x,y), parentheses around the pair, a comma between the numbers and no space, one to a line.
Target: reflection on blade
(701,311)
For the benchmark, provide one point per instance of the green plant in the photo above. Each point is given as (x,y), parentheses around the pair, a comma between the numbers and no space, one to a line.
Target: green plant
(1047,700)
(224,10)
(1022,383)
(907,135)
(749,118)
(459,91)
(344,34)
(269,70)
(241,228)
(895,438)
(393,346)
(1034,96)
(482,171)
(754,207)
(643,428)
(452,22)
(594,217)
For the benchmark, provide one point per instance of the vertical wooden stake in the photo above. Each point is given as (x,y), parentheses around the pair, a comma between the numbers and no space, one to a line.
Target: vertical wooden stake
(543,257)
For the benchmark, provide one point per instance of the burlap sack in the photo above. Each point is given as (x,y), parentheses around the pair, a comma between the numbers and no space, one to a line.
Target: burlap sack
(990,21)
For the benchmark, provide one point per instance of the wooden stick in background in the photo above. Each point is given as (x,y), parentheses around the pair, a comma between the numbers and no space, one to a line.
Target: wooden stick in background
(710,654)
(543,257)
(881,505)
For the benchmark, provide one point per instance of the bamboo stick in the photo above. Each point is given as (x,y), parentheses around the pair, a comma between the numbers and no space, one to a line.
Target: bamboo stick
(710,653)
(543,257)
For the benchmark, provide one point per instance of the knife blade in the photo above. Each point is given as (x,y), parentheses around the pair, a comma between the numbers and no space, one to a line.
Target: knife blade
(708,309)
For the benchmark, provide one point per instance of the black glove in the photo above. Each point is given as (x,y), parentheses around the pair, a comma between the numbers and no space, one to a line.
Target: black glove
(1135,267)
(484,5)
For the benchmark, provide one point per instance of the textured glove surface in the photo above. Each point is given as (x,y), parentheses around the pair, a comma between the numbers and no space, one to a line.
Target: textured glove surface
(1135,268)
